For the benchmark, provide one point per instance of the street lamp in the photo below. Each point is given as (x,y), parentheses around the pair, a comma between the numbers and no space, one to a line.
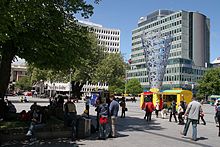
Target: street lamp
(71,71)
(41,87)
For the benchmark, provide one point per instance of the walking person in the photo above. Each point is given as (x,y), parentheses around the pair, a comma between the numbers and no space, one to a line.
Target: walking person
(149,108)
(123,107)
(215,117)
(218,115)
(113,109)
(201,115)
(180,113)
(173,111)
(192,113)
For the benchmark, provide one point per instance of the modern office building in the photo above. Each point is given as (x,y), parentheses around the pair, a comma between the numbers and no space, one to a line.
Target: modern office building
(109,38)
(190,50)
(216,62)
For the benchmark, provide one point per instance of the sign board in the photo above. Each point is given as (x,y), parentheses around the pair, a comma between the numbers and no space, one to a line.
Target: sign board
(59,86)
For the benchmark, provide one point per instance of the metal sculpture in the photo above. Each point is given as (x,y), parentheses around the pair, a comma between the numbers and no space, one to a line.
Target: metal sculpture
(156,49)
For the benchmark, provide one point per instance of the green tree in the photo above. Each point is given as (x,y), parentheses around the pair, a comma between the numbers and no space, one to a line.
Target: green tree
(210,83)
(111,70)
(86,71)
(42,32)
(134,87)
(24,83)
(82,72)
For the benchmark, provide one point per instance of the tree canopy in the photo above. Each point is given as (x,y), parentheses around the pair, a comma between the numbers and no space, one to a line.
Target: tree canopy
(111,70)
(134,87)
(44,33)
(210,83)
(24,83)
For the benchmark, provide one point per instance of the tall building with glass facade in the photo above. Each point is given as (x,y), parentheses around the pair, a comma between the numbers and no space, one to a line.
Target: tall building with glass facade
(190,49)
(109,38)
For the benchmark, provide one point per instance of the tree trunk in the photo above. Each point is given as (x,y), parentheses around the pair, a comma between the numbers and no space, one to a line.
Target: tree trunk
(8,53)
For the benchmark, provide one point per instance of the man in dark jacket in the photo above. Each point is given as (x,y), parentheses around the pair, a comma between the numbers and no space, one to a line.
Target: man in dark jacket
(173,111)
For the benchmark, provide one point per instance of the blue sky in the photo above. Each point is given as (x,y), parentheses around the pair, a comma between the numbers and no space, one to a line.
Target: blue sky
(124,15)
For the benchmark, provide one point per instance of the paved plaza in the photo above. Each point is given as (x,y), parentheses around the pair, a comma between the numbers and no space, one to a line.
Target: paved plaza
(134,131)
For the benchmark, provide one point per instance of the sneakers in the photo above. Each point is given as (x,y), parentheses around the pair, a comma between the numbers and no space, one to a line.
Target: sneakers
(29,133)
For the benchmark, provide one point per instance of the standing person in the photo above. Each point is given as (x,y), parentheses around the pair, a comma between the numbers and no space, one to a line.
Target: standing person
(123,107)
(70,116)
(180,113)
(87,104)
(157,108)
(164,110)
(218,115)
(103,120)
(149,108)
(173,111)
(97,104)
(192,113)
(113,109)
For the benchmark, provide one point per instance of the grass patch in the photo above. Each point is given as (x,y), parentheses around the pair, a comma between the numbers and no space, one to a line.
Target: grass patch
(12,124)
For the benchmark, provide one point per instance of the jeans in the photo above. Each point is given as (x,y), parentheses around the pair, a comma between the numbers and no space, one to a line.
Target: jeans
(194,128)
(113,126)
(148,115)
(123,112)
(102,131)
(35,126)
(180,117)
(174,115)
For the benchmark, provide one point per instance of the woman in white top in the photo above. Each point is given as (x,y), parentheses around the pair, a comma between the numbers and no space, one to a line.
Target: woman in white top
(180,114)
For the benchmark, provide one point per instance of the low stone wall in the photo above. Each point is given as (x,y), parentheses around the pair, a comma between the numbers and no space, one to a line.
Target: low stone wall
(44,133)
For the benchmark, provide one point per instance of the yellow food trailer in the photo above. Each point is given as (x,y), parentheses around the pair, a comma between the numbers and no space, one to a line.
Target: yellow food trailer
(177,95)
(154,95)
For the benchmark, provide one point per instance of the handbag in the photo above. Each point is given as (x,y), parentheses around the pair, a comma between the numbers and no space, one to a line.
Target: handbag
(126,109)
(103,120)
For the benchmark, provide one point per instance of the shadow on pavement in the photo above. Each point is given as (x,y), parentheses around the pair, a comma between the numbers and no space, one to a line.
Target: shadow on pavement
(137,124)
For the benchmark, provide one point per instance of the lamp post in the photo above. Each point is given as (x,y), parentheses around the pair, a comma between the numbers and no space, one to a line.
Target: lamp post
(71,70)
(41,87)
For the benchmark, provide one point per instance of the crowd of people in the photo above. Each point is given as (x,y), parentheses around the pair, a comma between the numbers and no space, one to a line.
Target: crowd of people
(107,112)
(191,113)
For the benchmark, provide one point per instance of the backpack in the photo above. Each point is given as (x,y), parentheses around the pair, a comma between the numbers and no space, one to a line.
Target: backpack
(103,110)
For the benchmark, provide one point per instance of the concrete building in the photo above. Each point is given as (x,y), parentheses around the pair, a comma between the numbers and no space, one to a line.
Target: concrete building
(109,38)
(18,71)
(190,50)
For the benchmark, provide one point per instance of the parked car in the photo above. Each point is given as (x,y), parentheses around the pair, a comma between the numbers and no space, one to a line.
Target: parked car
(28,93)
